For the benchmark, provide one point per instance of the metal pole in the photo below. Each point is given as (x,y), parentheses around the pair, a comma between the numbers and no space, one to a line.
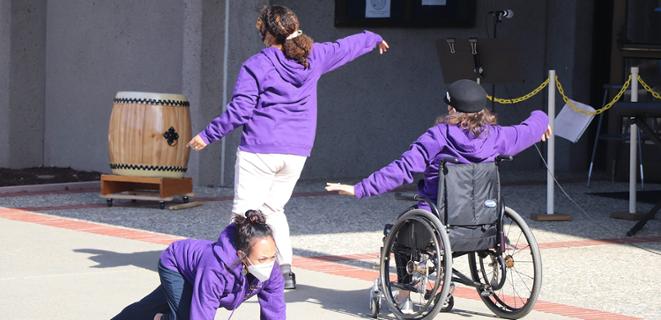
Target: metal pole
(550,156)
(633,143)
(226,41)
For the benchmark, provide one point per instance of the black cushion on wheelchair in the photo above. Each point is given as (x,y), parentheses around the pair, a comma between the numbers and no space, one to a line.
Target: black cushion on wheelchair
(468,201)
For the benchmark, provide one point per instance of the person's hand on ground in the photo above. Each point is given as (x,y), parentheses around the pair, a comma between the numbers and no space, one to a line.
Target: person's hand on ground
(343,189)
(383,47)
(197,143)
(547,134)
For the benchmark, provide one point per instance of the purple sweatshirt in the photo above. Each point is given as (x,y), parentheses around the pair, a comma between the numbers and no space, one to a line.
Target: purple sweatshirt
(275,99)
(216,275)
(443,141)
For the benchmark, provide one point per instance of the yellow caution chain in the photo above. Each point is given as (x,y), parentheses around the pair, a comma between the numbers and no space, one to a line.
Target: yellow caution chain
(521,98)
(603,109)
(570,103)
(649,89)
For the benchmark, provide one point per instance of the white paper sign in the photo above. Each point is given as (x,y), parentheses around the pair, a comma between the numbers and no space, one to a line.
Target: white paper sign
(570,124)
(377,8)
(434,2)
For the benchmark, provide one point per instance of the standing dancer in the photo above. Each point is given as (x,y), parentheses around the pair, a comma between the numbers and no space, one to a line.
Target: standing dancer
(275,100)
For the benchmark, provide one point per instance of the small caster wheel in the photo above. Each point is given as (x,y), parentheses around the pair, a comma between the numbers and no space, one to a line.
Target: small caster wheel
(375,305)
(448,305)
(161,205)
(109,202)
(375,299)
(186,199)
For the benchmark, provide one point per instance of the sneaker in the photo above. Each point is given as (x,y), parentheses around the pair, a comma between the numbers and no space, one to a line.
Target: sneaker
(290,280)
(288,276)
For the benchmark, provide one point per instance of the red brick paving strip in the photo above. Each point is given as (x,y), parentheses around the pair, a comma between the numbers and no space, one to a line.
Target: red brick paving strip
(324,264)
(87,226)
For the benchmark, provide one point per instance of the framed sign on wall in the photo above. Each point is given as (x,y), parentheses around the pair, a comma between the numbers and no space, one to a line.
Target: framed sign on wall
(405,13)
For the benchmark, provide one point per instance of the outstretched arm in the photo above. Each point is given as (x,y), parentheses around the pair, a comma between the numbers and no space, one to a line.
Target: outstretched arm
(239,111)
(513,139)
(333,55)
(398,172)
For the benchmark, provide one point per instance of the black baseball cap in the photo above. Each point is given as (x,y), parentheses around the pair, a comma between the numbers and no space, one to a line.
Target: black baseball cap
(466,96)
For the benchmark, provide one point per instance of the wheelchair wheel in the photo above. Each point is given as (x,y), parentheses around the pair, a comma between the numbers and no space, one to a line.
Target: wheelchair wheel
(427,266)
(512,281)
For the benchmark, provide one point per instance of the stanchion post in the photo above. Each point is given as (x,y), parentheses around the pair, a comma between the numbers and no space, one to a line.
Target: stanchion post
(633,143)
(550,145)
(550,214)
(633,161)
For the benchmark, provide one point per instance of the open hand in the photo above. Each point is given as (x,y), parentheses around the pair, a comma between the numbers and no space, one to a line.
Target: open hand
(547,134)
(197,143)
(343,189)
(383,47)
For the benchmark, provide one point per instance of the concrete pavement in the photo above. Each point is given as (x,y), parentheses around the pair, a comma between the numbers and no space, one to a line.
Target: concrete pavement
(57,266)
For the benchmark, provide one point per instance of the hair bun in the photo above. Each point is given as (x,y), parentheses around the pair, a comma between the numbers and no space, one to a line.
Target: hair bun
(255,217)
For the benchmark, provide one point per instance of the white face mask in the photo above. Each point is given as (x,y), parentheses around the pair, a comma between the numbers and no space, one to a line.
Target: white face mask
(261,271)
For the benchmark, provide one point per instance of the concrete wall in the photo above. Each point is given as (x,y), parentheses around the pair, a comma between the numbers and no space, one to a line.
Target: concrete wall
(5,48)
(369,111)
(201,73)
(22,60)
(94,49)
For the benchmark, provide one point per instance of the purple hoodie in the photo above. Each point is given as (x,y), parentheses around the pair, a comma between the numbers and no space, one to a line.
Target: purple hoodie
(449,141)
(275,99)
(216,275)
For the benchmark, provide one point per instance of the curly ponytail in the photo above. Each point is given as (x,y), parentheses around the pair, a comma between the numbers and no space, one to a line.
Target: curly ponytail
(281,22)
(252,225)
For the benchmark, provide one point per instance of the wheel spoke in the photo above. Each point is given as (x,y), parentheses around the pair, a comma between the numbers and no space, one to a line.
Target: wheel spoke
(514,253)
(516,294)
(523,281)
(517,242)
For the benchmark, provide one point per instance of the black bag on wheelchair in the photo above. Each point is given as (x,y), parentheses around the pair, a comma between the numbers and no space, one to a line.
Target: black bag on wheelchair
(469,204)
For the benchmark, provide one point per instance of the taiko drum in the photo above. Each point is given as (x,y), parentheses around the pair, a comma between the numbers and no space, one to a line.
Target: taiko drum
(148,134)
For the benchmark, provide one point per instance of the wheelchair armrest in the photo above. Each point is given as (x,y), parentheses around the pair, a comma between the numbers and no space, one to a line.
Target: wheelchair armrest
(449,159)
(418,198)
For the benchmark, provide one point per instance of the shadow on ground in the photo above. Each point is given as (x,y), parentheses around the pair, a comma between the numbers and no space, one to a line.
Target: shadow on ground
(109,259)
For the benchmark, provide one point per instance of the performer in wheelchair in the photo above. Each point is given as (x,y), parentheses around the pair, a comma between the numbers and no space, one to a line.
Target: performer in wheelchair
(467,135)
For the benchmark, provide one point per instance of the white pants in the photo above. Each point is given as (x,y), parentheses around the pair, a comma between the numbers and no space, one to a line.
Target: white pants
(265,182)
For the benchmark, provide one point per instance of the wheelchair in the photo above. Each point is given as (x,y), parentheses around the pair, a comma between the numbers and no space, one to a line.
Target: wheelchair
(469,219)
